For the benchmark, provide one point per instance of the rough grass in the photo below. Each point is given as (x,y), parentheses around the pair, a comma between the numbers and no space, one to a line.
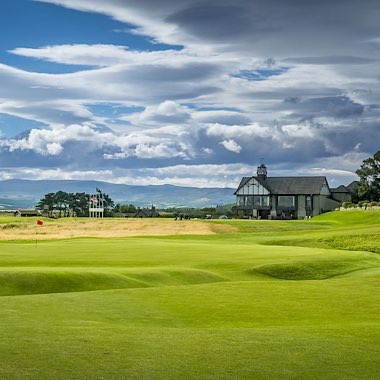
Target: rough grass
(12,228)
(244,301)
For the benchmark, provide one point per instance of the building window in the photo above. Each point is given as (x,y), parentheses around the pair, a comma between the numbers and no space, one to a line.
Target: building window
(261,200)
(308,201)
(257,200)
(286,201)
(244,201)
(253,200)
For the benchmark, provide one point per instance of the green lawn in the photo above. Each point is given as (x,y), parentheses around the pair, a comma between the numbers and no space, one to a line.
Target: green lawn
(276,300)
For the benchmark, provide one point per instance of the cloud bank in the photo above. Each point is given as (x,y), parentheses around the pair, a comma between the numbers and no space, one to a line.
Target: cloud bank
(217,87)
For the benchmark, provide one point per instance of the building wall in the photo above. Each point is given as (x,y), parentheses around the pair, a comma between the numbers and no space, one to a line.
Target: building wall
(342,197)
(301,209)
(328,204)
(316,205)
(253,187)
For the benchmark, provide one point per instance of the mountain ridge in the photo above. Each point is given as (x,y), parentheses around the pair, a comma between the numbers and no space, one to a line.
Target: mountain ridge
(23,193)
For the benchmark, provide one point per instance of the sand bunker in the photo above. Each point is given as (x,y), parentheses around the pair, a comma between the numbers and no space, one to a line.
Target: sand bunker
(70,228)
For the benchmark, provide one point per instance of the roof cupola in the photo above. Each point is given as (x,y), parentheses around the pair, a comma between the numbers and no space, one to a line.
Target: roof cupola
(262,171)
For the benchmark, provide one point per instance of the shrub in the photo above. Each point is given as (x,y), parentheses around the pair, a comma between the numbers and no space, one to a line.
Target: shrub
(10,225)
(347,205)
(363,204)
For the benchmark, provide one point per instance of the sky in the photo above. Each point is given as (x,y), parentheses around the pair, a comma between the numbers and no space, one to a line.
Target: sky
(188,92)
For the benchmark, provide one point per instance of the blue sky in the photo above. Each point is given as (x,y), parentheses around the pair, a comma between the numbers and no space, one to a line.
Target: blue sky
(192,93)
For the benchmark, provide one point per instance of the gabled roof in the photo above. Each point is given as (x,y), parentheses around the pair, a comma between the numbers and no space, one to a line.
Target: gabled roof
(30,212)
(340,189)
(295,185)
(353,186)
(289,185)
(243,181)
(146,213)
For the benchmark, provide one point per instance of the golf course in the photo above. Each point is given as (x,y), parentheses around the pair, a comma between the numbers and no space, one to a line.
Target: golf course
(152,298)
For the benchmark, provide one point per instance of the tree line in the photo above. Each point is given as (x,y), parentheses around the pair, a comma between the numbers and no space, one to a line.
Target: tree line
(62,204)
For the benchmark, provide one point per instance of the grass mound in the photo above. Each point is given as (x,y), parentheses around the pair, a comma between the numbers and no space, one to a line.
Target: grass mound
(317,269)
(347,218)
(23,282)
(351,242)
(368,242)
(176,277)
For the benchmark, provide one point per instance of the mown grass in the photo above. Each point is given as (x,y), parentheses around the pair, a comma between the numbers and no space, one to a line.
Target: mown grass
(253,304)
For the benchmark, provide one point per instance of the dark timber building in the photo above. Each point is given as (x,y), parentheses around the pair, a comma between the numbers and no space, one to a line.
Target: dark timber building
(265,197)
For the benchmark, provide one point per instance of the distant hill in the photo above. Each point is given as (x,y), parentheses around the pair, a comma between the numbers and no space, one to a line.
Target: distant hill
(19,193)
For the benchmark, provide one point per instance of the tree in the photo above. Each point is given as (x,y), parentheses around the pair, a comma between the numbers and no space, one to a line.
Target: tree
(369,183)
(128,208)
(65,203)
(79,204)
(62,202)
(69,204)
(47,204)
(108,204)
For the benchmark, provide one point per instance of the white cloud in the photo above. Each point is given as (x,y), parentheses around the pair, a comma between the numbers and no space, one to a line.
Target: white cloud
(303,131)
(51,141)
(167,112)
(231,145)
(156,151)
(78,54)
(239,131)
(54,148)
(112,55)
(223,117)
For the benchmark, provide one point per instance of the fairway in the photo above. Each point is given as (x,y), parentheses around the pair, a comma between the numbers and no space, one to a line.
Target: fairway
(165,299)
